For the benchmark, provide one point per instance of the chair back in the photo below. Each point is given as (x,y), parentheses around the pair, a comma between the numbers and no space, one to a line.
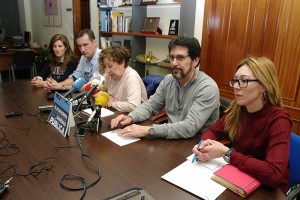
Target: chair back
(151,82)
(224,103)
(294,159)
(23,59)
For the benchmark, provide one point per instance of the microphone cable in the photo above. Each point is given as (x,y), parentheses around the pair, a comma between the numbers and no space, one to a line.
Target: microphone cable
(42,165)
(76,177)
(21,108)
(6,147)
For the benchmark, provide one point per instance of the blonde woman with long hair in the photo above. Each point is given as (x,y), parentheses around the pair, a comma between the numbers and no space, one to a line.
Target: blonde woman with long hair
(256,123)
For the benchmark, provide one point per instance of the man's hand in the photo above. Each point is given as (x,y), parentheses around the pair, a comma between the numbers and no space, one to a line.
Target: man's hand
(134,131)
(120,120)
(53,84)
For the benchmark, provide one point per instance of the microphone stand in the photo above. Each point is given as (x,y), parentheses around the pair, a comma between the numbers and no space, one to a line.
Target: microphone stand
(85,128)
(80,104)
(95,122)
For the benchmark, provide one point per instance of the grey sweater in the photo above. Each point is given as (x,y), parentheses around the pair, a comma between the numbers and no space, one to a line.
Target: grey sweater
(192,113)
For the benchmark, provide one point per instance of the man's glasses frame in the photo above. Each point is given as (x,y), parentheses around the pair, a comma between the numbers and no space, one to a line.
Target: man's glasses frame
(179,58)
(243,83)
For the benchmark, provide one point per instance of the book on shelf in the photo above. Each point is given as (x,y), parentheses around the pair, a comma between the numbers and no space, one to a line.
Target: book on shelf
(236,180)
(127,24)
(116,20)
(104,20)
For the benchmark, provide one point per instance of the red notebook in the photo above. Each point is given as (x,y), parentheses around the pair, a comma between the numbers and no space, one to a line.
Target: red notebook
(236,180)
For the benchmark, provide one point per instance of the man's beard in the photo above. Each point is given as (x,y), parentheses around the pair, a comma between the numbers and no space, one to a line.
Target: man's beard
(180,74)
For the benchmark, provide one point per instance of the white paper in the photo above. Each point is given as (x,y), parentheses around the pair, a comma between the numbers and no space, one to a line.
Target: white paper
(118,139)
(213,164)
(104,112)
(196,178)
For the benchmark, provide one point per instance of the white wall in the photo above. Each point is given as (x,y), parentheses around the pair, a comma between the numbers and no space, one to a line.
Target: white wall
(199,19)
(42,34)
(94,18)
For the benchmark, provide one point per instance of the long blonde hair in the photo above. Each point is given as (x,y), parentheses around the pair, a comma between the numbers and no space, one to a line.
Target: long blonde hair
(264,70)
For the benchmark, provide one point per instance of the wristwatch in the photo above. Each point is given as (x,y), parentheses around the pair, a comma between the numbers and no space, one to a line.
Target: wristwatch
(63,87)
(227,155)
(151,131)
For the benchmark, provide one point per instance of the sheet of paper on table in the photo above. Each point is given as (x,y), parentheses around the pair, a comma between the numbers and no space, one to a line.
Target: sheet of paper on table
(196,177)
(118,139)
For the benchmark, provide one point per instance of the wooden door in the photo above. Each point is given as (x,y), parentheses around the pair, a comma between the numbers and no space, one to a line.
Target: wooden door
(235,29)
(81,19)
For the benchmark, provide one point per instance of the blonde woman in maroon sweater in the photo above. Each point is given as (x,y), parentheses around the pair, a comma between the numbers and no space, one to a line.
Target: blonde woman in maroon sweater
(257,125)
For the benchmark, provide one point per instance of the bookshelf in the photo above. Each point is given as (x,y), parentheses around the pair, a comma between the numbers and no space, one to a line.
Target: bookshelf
(142,43)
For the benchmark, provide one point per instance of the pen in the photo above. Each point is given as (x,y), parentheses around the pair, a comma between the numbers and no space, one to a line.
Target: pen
(194,158)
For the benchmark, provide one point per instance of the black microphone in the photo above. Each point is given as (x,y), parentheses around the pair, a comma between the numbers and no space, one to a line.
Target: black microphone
(78,96)
(76,86)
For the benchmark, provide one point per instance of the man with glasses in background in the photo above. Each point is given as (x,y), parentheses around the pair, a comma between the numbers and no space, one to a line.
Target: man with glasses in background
(189,96)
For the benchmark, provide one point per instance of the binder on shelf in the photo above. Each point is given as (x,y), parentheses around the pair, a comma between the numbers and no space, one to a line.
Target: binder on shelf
(236,180)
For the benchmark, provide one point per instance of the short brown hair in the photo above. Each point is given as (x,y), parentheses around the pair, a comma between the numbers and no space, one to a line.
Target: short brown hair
(117,54)
(89,32)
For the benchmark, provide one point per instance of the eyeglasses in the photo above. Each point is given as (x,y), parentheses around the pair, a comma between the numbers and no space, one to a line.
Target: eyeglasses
(179,58)
(243,83)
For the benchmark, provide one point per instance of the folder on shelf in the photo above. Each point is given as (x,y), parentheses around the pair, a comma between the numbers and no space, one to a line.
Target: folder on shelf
(236,180)
(105,42)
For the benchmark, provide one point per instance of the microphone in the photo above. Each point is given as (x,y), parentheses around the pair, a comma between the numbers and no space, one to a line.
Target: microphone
(100,101)
(78,96)
(75,87)
(96,83)
(82,94)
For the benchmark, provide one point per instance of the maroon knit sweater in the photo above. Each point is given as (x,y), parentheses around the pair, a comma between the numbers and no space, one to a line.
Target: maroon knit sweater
(261,146)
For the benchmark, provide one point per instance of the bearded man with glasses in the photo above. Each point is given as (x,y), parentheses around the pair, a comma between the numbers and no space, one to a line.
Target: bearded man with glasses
(189,96)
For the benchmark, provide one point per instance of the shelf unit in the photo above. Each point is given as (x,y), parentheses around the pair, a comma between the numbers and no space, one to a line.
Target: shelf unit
(138,34)
(139,40)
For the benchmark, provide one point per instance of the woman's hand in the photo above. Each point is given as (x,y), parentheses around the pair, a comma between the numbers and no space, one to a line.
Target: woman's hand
(110,101)
(209,149)
(37,82)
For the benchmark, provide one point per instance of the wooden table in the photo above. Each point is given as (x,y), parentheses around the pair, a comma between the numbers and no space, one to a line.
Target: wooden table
(140,164)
